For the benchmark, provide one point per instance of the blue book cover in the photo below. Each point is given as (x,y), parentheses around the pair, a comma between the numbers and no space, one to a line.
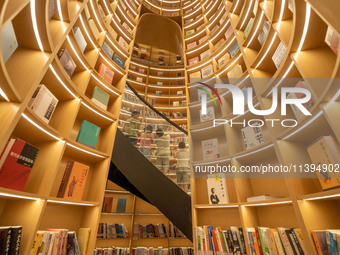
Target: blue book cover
(119,61)
(121,205)
(233,50)
(107,49)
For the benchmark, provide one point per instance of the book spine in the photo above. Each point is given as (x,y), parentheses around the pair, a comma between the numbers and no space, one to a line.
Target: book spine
(65,179)
(259,242)
(243,245)
(251,243)
(296,240)
(291,242)
(15,241)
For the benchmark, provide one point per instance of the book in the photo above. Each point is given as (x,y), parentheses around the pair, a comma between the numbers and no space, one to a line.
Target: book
(219,44)
(123,43)
(9,41)
(207,71)
(332,40)
(217,189)
(80,39)
(16,163)
(205,54)
(279,55)
(224,59)
(101,12)
(88,134)
(106,73)
(193,61)
(100,97)
(320,241)
(107,205)
(256,6)
(235,72)
(94,29)
(160,74)
(141,70)
(121,205)
(83,239)
(119,61)
(233,50)
(67,62)
(127,28)
(210,149)
(325,151)
(43,103)
(209,116)
(183,102)
(264,32)
(175,103)
(203,39)
(299,114)
(214,30)
(195,75)
(158,93)
(52,8)
(262,198)
(108,50)
(189,32)
(191,45)
(139,79)
(224,17)
(73,182)
(179,93)
(229,32)
(252,136)
(248,27)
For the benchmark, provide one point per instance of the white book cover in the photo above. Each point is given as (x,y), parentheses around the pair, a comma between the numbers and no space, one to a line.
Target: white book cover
(123,43)
(236,72)
(207,71)
(252,136)
(210,149)
(9,41)
(329,35)
(291,5)
(191,45)
(160,83)
(264,32)
(217,189)
(127,28)
(139,79)
(279,55)
(102,13)
(205,54)
(43,103)
(248,27)
(209,116)
(225,15)
(94,29)
(256,6)
(80,39)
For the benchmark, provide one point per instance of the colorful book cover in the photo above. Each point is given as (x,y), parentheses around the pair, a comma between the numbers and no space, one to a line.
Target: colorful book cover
(88,134)
(127,28)
(207,71)
(100,97)
(16,163)
(73,183)
(193,61)
(191,45)
(332,40)
(203,39)
(121,205)
(248,27)
(189,32)
(229,32)
(106,73)
(224,59)
(205,54)
(233,50)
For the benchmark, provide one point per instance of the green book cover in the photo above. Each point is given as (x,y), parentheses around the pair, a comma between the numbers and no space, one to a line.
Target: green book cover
(121,205)
(100,97)
(249,26)
(88,134)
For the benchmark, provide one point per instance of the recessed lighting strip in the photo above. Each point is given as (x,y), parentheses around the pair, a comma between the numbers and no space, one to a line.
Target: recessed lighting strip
(269,203)
(35,26)
(68,203)
(88,152)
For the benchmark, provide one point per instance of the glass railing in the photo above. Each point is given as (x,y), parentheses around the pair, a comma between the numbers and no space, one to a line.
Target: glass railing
(157,137)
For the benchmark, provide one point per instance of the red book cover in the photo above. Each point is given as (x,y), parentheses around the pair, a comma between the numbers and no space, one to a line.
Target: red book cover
(106,73)
(17,166)
(214,240)
(258,240)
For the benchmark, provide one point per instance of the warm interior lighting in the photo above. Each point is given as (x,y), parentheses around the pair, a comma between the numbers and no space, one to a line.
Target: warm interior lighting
(194,50)
(87,33)
(166,78)
(235,6)
(62,83)
(229,66)
(95,15)
(60,11)
(221,30)
(305,29)
(93,110)
(110,64)
(40,128)
(18,196)
(216,206)
(2,93)
(270,203)
(103,84)
(267,51)
(253,152)
(118,26)
(75,52)
(126,18)
(225,48)
(195,22)
(68,203)
(257,28)
(196,67)
(114,45)
(35,25)
(245,18)
(86,151)
(281,13)
(195,35)
(322,197)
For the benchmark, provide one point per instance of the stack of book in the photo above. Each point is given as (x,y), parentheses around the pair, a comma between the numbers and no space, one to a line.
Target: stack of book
(60,241)
(149,231)
(163,251)
(110,231)
(327,241)
(111,251)
(10,239)
(174,232)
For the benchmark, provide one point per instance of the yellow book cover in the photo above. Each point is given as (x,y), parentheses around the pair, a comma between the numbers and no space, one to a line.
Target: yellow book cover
(256,245)
(83,240)
(37,242)
(325,151)
(76,181)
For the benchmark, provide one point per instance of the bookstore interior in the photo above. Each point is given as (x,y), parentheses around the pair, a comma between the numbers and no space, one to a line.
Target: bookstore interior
(169,127)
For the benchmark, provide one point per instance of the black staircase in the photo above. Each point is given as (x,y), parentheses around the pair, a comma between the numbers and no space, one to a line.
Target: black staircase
(132,171)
